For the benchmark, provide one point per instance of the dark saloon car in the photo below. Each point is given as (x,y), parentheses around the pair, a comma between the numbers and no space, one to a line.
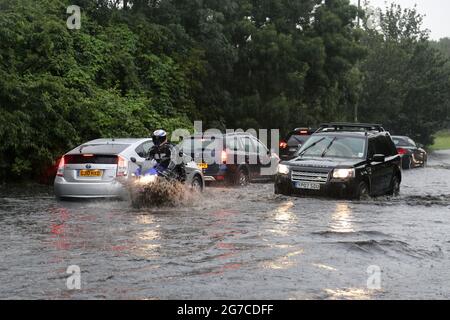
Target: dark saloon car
(235,158)
(293,142)
(413,155)
(349,160)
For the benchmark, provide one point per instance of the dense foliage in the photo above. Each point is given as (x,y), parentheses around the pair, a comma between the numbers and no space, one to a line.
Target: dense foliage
(138,65)
(406,80)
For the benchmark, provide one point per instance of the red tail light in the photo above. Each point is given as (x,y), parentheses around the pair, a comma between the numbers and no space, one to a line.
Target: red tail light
(224,156)
(283,145)
(401,151)
(122,166)
(60,171)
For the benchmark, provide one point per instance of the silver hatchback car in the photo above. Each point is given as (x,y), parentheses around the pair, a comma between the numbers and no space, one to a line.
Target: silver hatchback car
(93,169)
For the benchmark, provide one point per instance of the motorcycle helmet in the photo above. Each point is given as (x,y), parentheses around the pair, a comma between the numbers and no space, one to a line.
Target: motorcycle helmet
(159,137)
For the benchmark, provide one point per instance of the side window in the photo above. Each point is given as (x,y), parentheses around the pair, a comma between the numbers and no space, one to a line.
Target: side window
(233,143)
(383,146)
(143,149)
(249,147)
(261,148)
(392,147)
(147,146)
(371,149)
(140,151)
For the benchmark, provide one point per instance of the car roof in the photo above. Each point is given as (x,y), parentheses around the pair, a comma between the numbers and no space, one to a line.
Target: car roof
(401,137)
(117,140)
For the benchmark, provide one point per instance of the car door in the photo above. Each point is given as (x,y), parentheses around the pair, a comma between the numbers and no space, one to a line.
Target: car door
(385,146)
(251,156)
(377,170)
(264,160)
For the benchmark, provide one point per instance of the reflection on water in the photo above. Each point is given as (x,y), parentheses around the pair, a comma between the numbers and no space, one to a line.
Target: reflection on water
(285,218)
(324,266)
(284,212)
(342,219)
(147,242)
(283,262)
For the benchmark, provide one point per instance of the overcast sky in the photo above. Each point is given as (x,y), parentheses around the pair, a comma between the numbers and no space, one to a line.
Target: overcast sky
(437,13)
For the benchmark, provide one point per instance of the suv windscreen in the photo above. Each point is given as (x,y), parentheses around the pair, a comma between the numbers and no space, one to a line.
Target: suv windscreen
(334,147)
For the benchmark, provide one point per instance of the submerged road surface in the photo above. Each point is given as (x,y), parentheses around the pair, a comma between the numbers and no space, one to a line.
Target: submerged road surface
(232,243)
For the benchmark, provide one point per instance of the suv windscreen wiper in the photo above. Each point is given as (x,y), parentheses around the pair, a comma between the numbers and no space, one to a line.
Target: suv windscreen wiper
(328,147)
(310,146)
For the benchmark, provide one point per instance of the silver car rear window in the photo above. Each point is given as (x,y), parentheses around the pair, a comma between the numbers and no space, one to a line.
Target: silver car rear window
(100,149)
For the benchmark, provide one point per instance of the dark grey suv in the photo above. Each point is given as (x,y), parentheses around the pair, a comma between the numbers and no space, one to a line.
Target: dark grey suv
(349,160)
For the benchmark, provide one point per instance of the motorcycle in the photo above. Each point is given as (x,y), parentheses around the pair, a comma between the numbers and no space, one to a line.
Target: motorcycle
(150,171)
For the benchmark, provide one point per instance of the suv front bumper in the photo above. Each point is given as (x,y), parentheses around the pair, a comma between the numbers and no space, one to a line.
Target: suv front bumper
(333,188)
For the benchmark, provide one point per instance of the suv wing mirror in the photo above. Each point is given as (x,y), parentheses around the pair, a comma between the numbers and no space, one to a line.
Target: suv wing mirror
(133,159)
(378,158)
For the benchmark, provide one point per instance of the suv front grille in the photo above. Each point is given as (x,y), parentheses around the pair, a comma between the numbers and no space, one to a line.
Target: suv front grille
(309,176)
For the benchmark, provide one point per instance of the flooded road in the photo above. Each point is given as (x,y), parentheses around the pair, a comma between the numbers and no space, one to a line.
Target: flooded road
(232,243)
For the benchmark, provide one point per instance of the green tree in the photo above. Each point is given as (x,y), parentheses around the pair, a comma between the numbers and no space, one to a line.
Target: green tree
(406,81)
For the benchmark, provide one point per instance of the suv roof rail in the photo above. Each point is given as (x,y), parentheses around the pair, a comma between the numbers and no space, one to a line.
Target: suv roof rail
(348,126)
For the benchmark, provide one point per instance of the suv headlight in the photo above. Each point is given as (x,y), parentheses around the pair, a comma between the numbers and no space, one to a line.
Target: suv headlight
(283,169)
(343,173)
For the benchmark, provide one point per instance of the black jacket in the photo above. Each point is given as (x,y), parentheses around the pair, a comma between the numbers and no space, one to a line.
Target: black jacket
(165,155)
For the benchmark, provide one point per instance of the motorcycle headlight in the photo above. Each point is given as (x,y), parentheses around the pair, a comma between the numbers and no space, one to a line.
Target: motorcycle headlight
(343,173)
(283,169)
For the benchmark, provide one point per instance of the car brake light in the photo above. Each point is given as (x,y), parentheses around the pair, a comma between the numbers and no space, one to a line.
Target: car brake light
(60,171)
(401,151)
(303,132)
(283,145)
(224,156)
(122,167)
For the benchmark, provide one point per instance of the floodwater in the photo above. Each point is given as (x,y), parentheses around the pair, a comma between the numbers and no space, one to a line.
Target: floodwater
(232,244)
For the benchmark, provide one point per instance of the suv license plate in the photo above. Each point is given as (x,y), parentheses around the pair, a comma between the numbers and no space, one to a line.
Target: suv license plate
(308,185)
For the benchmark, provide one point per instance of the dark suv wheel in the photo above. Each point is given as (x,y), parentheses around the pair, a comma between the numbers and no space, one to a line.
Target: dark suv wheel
(282,189)
(362,191)
(395,186)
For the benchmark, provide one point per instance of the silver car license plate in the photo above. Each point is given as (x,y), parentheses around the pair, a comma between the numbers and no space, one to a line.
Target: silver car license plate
(308,185)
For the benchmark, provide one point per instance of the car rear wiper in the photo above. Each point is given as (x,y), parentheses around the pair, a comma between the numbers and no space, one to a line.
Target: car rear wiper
(310,146)
(328,147)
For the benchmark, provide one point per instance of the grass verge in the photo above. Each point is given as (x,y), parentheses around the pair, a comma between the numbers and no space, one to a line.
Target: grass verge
(441,141)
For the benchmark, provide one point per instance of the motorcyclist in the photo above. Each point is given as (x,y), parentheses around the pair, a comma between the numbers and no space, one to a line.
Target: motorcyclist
(166,156)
